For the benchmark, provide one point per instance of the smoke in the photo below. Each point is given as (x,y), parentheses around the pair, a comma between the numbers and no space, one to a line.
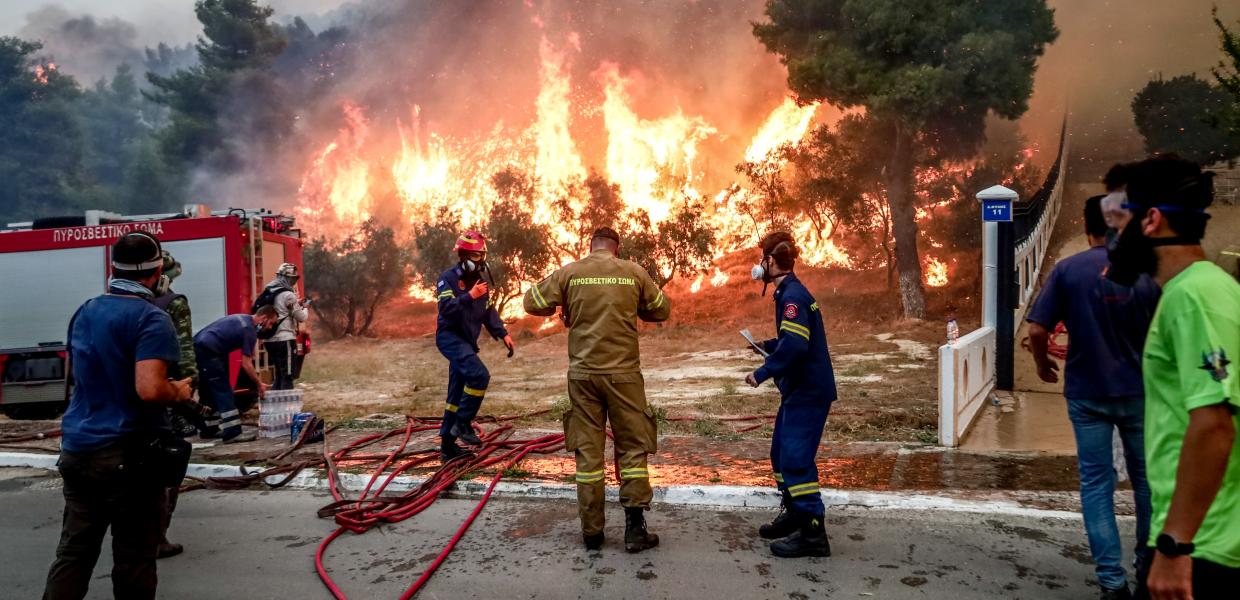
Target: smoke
(1107,51)
(81,45)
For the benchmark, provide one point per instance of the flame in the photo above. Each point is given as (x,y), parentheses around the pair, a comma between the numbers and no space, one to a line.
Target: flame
(935,272)
(696,286)
(558,164)
(41,73)
(786,125)
(719,278)
(650,160)
(336,189)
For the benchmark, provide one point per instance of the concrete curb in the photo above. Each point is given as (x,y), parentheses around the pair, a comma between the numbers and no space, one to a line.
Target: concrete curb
(712,496)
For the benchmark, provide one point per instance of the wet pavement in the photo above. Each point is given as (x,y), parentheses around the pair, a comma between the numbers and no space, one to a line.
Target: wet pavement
(251,544)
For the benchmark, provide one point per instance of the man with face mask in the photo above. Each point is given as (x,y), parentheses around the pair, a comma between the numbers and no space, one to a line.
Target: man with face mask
(1107,323)
(213,345)
(1192,390)
(465,307)
(800,364)
(291,312)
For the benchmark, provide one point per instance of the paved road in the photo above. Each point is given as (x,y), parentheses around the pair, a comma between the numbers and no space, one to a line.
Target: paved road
(260,545)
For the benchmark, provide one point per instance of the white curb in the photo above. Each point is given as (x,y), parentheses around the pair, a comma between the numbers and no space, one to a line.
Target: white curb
(716,496)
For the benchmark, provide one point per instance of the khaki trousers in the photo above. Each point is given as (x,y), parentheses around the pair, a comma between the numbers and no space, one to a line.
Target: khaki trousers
(596,399)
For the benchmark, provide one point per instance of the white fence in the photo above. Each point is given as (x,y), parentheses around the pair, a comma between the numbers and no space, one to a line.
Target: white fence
(1031,253)
(966,378)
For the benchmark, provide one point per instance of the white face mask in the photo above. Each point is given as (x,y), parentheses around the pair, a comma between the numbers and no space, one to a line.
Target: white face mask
(758,272)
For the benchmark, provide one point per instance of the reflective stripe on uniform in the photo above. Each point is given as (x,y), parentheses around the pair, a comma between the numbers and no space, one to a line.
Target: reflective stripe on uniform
(803,489)
(538,297)
(591,477)
(657,302)
(634,474)
(796,328)
(446,295)
(450,407)
(475,392)
(229,413)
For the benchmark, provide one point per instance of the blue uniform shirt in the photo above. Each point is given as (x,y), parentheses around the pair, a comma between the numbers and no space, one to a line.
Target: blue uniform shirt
(1106,325)
(108,336)
(461,317)
(799,361)
(233,332)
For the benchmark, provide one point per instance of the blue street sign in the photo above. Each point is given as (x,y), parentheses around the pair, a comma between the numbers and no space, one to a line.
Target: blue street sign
(995,211)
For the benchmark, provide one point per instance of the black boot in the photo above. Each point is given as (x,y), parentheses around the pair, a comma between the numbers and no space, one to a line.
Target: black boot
(810,539)
(448,449)
(593,542)
(464,431)
(636,538)
(784,524)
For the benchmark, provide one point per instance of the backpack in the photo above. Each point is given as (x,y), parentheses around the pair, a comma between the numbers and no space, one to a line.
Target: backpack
(268,297)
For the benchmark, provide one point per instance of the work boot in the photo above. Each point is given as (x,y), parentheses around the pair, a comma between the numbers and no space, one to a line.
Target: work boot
(448,449)
(464,431)
(167,549)
(784,524)
(240,437)
(181,426)
(810,539)
(636,538)
(593,542)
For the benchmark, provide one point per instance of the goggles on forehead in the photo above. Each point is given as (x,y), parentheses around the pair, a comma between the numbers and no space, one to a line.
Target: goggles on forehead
(156,261)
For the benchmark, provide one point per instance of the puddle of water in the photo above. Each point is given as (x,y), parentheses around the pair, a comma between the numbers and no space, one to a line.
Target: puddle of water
(1035,422)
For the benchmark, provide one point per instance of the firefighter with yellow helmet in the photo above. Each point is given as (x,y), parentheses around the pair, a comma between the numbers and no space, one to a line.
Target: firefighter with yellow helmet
(465,308)
(601,297)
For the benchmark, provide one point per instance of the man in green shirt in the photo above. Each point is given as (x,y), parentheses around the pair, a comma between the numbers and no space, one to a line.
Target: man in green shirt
(1192,391)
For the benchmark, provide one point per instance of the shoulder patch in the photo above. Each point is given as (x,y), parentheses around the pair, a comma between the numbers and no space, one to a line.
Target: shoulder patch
(460,283)
(1215,363)
(790,310)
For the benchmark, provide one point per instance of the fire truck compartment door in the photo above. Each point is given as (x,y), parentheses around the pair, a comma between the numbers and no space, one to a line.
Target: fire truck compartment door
(42,290)
(202,278)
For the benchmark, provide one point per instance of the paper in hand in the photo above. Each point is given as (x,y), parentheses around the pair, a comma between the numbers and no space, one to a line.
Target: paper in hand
(749,338)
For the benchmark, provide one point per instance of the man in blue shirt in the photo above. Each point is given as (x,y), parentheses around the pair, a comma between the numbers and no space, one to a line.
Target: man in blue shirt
(120,348)
(1107,324)
(212,347)
(800,364)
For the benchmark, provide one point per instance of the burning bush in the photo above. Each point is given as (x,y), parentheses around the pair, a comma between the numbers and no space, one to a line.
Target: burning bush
(348,280)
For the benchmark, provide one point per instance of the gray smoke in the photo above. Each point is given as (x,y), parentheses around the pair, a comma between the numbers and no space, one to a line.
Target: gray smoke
(82,45)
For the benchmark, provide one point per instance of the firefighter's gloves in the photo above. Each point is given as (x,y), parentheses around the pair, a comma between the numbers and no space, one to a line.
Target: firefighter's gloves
(479,290)
(511,345)
(752,380)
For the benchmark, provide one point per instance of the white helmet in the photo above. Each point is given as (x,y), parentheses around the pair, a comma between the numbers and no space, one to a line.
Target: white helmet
(287,270)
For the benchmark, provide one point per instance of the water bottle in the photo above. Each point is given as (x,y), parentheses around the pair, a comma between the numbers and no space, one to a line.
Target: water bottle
(953,332)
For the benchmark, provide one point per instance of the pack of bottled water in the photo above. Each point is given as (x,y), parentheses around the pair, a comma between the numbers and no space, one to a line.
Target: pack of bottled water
(276,411)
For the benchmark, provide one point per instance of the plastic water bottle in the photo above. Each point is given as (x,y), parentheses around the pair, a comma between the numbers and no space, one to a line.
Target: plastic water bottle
(953,332)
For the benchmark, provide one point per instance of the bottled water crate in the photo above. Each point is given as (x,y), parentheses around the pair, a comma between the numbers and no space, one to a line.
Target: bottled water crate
(276,411)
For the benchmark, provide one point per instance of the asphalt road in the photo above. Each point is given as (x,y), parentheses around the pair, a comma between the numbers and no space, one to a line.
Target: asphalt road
(261,544)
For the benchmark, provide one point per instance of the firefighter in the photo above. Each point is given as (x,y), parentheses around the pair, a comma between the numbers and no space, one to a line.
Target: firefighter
(600,298)
(281,292)
(182,417)
(465,307)
(800,364)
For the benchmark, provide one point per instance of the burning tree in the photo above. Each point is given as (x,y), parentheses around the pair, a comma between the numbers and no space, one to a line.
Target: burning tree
(927,76)
(350,279)
(1189,117)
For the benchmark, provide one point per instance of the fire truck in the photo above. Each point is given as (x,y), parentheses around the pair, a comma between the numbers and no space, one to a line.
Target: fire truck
(49,267)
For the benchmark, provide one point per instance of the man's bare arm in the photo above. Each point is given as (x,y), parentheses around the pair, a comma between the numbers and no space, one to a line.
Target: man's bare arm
(151,381)
(1203,463)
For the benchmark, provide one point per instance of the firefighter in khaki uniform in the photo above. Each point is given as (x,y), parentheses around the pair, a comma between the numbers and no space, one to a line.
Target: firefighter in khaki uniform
(601,297)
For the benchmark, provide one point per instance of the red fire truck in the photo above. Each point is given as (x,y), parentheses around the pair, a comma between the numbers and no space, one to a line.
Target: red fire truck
(50,266)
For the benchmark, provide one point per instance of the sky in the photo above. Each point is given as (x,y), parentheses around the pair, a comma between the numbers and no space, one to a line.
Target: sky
(170,21)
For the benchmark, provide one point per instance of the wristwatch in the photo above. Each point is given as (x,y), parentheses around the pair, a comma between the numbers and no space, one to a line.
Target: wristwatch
(1168,546)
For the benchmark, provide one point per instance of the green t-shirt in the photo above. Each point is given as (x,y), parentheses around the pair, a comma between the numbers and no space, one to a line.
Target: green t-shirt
(1195,333)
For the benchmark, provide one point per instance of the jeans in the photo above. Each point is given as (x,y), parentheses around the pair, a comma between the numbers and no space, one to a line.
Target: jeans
(216,391)
(101,491)
(1093,423)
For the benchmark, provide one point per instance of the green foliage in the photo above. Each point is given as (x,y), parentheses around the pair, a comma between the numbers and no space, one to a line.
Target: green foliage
(1228,70)
(519,249)
(432,247)
(232,94)
(680,245)
(927,74)
(1187,116)
(41,157)
(349,280)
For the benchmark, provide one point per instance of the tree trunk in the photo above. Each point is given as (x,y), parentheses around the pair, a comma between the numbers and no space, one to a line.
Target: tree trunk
(900,196)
